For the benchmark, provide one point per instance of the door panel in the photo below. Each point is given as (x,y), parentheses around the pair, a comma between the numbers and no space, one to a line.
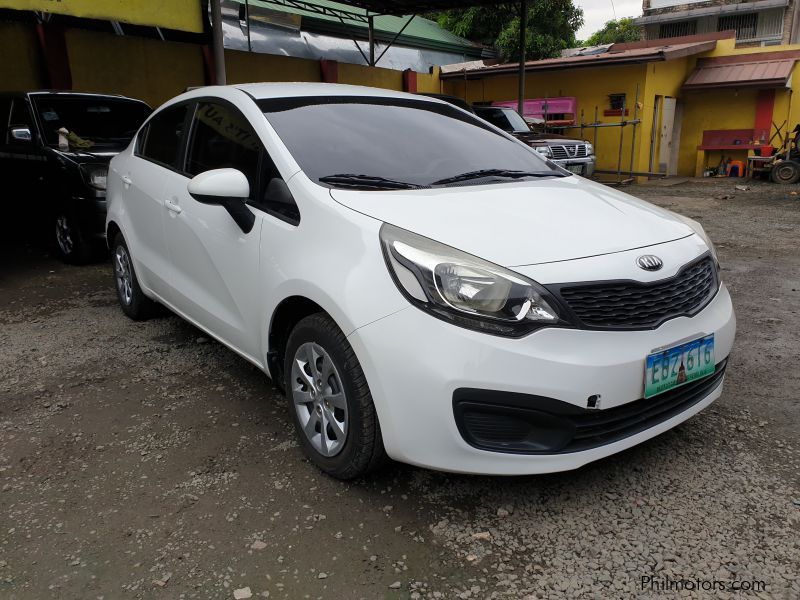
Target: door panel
(143,185)
(144,176)
(216,265)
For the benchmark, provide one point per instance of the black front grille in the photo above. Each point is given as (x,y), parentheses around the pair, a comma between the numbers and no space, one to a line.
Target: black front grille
(524,424)
(636,305)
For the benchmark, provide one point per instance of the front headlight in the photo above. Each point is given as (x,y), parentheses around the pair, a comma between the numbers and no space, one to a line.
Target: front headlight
(464,289)
(589,150)
(544,151)
(96,175)
(698,229)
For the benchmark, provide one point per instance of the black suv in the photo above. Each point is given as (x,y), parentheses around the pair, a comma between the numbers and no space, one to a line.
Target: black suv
(54,153)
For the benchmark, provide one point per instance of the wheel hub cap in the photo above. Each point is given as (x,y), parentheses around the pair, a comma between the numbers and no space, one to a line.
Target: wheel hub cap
(64,235)
(122,271)
(319,399)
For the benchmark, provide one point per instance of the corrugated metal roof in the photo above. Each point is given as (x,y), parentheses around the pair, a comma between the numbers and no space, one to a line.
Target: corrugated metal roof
(420,29)
(612,57)
(753,73)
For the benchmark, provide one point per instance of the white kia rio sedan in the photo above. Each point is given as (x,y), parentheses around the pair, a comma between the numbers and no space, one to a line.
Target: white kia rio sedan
(420,284)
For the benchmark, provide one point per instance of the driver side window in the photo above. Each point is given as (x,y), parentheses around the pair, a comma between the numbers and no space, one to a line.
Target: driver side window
(223,138)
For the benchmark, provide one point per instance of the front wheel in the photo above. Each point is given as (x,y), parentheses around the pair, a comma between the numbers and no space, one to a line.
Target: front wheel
(131,298)
(329,400)
(70,244)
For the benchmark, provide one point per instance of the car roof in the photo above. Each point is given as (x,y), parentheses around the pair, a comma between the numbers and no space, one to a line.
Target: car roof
(67,93)
(261,91)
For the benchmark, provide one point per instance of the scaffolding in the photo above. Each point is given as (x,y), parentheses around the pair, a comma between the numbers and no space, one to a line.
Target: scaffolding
(623,175)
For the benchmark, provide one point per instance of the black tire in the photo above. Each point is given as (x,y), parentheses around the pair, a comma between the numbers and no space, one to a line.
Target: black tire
(785,172)
(131,298)
(362,451)
(69,242)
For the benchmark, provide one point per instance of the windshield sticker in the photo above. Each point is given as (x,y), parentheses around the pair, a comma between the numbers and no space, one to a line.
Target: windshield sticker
(50,115)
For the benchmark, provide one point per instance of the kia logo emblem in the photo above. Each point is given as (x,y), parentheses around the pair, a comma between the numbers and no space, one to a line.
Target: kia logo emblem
(648,262)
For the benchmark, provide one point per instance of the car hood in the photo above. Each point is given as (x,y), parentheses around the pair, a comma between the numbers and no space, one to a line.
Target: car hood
(524,223)
(102,155)
(544,138)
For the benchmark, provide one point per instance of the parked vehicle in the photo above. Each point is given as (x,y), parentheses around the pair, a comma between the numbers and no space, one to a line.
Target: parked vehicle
(58,180)
(421,284)
(454,100)
(577,156)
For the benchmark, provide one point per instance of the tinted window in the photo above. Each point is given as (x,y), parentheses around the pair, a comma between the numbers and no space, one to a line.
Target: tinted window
(410,141)
(164,132)
(5,106)
(504,118)
(223,138)
(98,120)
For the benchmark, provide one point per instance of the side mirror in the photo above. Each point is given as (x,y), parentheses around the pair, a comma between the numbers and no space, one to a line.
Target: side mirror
(21,134)
(227,188)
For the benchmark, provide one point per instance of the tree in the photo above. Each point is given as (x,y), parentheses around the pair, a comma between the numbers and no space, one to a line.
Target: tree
(551,27)
(614,31)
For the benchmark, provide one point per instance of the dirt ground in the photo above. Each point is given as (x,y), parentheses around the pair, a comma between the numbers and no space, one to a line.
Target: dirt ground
(142,460)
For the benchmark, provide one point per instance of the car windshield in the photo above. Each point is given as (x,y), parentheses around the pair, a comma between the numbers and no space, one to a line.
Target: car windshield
(506,119)
(90,120)
(395,143)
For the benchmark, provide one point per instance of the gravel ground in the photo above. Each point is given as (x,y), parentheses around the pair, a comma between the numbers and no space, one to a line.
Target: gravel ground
(142,460)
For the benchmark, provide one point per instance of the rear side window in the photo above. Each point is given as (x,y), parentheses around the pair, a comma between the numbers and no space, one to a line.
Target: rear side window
(223,138)
(162,142)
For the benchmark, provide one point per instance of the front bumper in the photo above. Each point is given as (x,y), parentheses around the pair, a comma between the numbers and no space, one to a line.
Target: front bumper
(586,164)
(413,381)
(91,214)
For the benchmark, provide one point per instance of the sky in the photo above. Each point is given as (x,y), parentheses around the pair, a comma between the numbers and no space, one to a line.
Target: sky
(597,12)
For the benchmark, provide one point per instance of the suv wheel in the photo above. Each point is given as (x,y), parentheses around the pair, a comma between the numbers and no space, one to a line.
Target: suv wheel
(329,400)
(70,245)
(132,300)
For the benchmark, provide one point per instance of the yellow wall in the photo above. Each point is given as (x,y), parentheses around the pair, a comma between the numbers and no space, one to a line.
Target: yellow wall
(151,70)
(702,110)
(185,15)
(20,67)
(591,87)
(246,67)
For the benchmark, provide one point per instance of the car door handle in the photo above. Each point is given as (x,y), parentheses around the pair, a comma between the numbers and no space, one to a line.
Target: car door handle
(172,206)
(126,180)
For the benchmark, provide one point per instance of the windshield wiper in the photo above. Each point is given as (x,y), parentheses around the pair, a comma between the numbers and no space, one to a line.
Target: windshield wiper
(480,174)
(371,182)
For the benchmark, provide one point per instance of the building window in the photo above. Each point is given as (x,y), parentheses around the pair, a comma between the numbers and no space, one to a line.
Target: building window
(616,104)
(616,101)
(745,26)
(677,29)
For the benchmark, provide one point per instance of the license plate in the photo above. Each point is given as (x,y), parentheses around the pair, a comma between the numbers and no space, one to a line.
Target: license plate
(577,169)
(679,365)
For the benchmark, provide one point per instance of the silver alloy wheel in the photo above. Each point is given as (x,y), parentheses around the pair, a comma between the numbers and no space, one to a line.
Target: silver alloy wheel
(122,270)
(319,399)
(64,235)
